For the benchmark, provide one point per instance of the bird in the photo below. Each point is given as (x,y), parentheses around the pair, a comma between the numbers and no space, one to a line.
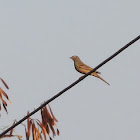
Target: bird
(83,68)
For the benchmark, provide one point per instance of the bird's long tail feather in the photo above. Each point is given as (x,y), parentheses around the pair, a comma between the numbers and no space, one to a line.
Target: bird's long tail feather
(102,79)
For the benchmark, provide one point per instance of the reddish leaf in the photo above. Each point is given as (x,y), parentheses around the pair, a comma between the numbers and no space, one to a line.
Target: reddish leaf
(4,83)
(33,131)
(58,133)
(52,114)
(4,93)
(29,123)
(13,128)
(43,129)
(5,108)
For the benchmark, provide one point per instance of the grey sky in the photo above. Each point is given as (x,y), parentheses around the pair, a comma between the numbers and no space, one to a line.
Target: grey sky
(36,40)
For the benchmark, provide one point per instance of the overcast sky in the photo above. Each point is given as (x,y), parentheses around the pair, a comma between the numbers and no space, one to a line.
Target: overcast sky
(36,40)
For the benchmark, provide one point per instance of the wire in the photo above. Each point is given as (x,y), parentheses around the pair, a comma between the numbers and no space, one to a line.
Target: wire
(70,86)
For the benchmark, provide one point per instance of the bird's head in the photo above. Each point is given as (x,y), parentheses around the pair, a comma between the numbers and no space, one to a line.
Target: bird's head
(74,57)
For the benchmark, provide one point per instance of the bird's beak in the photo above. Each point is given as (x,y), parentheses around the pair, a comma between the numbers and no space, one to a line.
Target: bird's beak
(70,57)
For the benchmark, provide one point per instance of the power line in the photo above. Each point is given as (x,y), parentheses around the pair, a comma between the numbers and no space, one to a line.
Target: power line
(70,86)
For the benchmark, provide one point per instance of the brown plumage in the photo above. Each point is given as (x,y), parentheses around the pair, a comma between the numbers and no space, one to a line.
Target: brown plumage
(83,68)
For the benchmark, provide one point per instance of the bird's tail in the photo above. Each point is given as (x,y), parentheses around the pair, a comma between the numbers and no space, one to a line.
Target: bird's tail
(102,79)
(96,75)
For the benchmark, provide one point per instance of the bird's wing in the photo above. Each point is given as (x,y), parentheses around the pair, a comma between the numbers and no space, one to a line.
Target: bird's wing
(87,68)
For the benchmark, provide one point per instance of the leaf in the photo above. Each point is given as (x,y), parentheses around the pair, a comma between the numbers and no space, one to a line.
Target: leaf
(5,108)
(27,138)
(37,133)
(45,119)
(29,123)
(43,129)
(33,131)
(58,133)
(53,131)
(4,83)
(3,101)
(6,96)
(11,131)
(52,114)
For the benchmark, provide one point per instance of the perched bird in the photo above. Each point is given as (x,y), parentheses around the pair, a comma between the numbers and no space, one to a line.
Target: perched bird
(83,68)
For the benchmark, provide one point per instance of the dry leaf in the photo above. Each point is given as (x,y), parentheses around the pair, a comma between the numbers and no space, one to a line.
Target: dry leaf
(4,83)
